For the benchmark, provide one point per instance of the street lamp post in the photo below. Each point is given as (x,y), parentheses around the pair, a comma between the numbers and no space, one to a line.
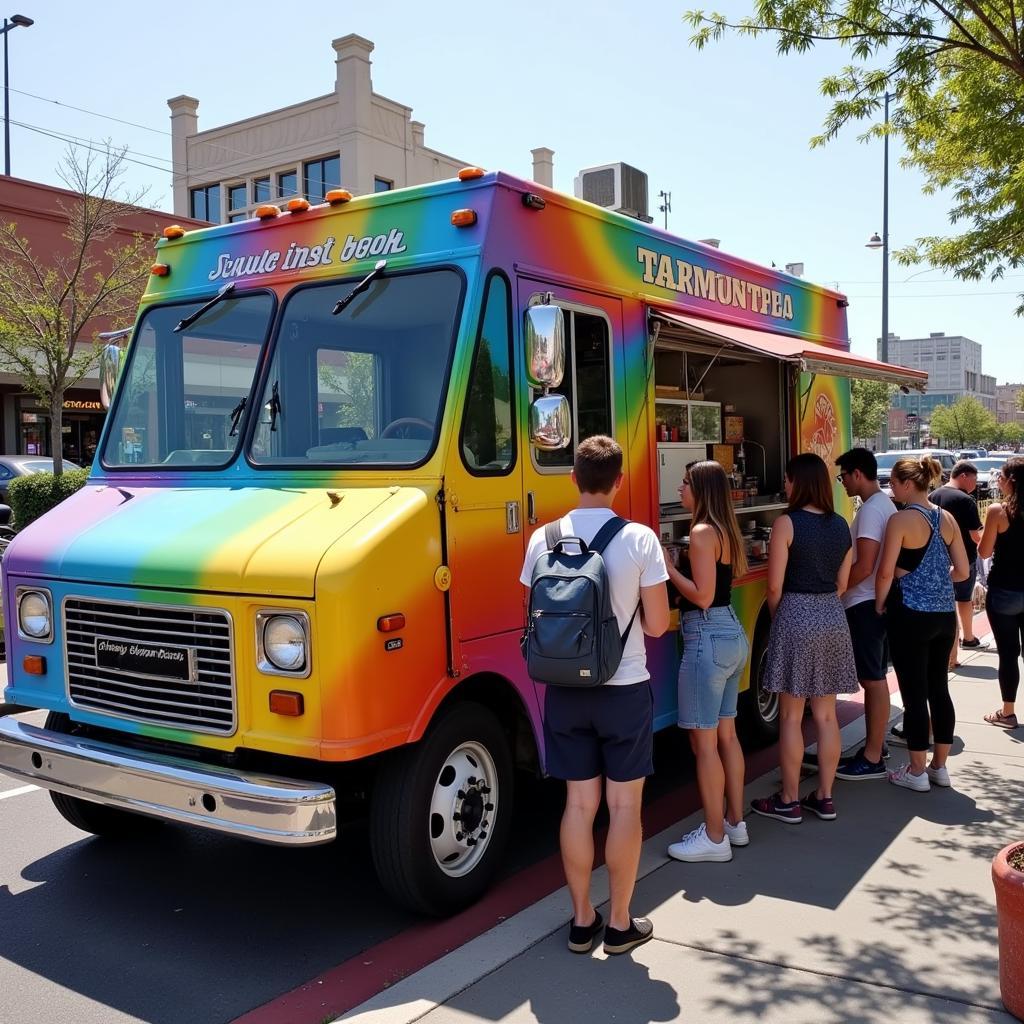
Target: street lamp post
(883,243)
(14,21)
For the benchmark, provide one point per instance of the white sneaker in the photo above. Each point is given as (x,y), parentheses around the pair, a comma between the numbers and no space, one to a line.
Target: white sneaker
(737,834)
(697,846)
(939,776)
(904,777)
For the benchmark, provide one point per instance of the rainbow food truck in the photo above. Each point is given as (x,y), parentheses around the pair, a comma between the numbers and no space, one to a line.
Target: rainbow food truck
(291,578)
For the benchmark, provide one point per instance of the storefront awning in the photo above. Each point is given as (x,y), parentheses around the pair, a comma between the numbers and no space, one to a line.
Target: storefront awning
(804,354)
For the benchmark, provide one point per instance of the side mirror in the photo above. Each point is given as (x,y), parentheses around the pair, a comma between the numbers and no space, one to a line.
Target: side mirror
(550,423)
(110,364)
(545,346)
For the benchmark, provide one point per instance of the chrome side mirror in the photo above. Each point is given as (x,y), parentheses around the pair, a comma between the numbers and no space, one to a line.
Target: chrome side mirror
(550,423)
(110,367)
(545,346)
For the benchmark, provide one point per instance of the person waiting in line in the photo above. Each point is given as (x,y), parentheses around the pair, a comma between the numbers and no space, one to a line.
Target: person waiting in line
(858,473)
(957,498)
(915,587)
(810,656)
(715,651)
(1003,542)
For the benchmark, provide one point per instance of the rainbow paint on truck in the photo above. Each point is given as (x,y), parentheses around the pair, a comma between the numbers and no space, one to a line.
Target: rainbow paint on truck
(297,553)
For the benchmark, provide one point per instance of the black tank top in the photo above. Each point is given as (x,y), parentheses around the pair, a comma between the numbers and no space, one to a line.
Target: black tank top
(1007,572)
(723,587)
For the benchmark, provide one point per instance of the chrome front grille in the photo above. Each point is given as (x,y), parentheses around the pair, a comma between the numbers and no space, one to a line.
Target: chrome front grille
(205,703)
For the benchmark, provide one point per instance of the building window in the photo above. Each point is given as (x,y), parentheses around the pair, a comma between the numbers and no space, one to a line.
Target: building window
(234,218)
(287,184)
(320,176)
(261,190)
(238,198)
(206,203)
(382,185)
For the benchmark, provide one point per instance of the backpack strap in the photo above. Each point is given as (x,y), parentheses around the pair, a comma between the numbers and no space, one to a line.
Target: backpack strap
(607,533)
(601,540)
(553,534)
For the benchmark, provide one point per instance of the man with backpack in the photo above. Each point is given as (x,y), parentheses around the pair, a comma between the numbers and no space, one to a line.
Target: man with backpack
(598,707)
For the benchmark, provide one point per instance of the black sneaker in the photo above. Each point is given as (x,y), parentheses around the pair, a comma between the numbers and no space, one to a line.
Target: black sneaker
(859,769)
(581,937)
(897,737)
(640,930)
(974,645)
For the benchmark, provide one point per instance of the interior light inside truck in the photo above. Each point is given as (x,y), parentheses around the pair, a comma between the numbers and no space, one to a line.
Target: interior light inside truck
(35,617)
(284,643)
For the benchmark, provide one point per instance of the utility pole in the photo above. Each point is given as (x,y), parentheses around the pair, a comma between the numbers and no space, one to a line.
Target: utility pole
(666,205)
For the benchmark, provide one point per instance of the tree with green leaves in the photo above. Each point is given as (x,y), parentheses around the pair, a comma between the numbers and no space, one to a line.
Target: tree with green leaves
(955,72)
(869,405)
(963,423)
(52,303)
(1011,433)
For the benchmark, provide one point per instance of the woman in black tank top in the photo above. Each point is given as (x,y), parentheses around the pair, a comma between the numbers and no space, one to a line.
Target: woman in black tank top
(1003,541)
(714,653)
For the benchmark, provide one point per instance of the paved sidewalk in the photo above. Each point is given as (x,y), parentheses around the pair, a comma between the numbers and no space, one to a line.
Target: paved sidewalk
(886,914)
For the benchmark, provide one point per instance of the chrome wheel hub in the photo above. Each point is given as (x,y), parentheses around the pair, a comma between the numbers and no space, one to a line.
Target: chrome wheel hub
(463,806)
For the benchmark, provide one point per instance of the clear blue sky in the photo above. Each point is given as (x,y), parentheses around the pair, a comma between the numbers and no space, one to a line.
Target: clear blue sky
(725,130)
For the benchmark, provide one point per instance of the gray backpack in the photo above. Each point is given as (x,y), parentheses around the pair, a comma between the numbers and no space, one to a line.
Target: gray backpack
(572,636)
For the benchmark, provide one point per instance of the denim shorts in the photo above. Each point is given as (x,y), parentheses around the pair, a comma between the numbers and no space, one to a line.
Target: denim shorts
(964,590)
(715,650)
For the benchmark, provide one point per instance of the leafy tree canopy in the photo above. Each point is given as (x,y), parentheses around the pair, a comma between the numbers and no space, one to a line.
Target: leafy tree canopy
(963,423)
(955,72)
(869,404)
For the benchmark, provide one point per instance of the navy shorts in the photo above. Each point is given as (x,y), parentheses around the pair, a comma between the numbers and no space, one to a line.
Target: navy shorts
(599,730)
(965,591)
(870,642)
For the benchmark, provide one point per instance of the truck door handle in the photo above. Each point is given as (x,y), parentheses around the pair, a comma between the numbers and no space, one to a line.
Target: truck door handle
(511,516)
(531,508)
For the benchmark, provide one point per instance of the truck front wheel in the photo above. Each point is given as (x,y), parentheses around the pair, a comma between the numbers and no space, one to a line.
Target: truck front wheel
(759,710)
(441,811)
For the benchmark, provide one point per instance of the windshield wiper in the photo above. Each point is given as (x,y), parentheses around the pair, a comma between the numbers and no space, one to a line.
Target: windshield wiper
(193,317)
(275,406)
(236,415)
(361,287)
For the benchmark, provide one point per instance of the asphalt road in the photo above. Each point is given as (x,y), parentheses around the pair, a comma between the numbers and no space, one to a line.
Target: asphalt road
(188,927)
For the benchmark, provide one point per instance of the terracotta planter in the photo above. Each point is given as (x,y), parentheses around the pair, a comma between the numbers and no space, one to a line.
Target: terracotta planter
(1009,884)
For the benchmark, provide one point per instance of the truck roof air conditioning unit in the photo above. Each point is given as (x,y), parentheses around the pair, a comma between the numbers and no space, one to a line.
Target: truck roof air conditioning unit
(616,187)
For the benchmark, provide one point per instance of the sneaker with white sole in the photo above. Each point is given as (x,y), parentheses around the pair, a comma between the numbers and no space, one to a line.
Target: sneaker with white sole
(939,776)
(737,834)
(698,846)
(904,777)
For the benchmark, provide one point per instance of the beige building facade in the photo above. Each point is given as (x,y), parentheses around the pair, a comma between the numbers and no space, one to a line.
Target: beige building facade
(350,138)
(1008,407)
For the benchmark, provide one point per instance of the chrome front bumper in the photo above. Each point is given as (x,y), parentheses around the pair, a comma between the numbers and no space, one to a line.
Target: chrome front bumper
(260,807)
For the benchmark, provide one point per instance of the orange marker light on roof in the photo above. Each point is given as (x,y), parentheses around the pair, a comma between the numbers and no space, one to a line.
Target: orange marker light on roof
(299,205)
(286,702)
(267,211)
(391,623)
(173,231)
(464,218)
(159,270)
(338,195)
(469,173)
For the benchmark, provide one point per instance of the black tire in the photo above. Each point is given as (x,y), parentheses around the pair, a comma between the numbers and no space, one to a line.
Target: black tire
(759,710)
(98,819)
(424,794)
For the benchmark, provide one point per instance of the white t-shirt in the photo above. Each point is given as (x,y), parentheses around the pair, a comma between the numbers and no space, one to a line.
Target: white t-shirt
(869,522)
(633,559)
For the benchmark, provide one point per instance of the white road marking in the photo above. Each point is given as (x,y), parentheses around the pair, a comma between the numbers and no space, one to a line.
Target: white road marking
(17,792)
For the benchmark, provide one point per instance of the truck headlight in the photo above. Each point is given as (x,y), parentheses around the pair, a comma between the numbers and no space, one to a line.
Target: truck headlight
(282,641)
(35,614)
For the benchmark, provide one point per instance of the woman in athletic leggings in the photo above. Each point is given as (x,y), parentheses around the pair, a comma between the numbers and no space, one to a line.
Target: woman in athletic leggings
(1003,540)
(915,587)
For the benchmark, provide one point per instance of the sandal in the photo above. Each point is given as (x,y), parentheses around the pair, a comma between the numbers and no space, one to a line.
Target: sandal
(998,719)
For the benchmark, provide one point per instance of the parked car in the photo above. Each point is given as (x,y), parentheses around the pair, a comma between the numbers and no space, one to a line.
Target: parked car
(25,465)
(886,460)
(970,454)
(988,474)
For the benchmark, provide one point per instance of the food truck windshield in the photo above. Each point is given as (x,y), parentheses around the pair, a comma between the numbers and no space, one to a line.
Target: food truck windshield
(363,386)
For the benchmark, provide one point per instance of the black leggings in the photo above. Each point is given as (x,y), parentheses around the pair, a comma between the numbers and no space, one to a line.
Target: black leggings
(1006,617)
(920,643)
